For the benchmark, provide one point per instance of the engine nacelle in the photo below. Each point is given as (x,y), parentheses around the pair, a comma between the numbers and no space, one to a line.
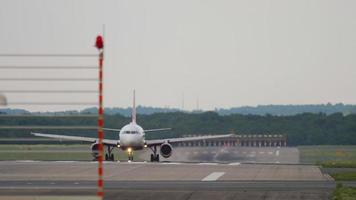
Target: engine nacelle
(166,150)
(95,150)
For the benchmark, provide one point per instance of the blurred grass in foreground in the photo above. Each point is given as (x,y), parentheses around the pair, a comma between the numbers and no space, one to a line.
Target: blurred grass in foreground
(338,164)
(344,176)
(344,193)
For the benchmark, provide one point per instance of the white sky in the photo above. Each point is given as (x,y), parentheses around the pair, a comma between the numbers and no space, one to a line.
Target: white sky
(226,53)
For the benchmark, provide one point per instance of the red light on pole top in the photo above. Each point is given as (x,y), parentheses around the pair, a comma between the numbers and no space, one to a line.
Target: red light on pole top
(99,44)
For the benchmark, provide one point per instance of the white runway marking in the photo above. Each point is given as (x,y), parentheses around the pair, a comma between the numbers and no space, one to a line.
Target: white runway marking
(171,163)
(207,163)
(270,152)
(65,161)
(236,163)
(277,153)
(213,176)
(136,162)
(262,152)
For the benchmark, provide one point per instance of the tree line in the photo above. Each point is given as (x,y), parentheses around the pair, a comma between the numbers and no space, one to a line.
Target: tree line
(300,129)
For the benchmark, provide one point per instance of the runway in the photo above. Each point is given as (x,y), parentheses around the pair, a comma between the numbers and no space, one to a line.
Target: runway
(166,171)
(173,180)
(174,190)
(173,185)
(191,173)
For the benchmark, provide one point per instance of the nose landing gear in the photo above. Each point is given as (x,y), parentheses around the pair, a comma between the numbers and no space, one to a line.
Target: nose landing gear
(130,154)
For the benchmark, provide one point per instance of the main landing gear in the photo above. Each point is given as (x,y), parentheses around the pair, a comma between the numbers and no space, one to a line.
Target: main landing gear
(109,156)
(154,156)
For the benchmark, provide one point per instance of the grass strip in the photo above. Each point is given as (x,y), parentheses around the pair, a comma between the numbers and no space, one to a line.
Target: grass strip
(344,193)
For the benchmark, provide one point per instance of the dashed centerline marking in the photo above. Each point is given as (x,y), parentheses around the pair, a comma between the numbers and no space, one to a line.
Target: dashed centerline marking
(277,153)
(213,176)
(236,163)
(171,163)
(208,163)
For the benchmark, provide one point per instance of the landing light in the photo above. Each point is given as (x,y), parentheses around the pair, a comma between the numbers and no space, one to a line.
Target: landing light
(145,145)
(118,146)
(129,150)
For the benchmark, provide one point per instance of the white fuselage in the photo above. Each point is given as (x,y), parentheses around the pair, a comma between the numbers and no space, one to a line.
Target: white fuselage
(132,136)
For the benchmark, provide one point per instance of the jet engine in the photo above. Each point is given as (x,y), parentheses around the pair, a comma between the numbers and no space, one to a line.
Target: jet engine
(166,150)
(95,150)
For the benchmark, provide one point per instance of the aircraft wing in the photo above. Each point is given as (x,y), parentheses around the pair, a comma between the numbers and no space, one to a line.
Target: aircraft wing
(77,138)
(186,139)
(157,129)
(111,129)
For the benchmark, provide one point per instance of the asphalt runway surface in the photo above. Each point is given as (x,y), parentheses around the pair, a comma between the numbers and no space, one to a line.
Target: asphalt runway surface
(173,180)
(191,173)
(165,171)
(175,190)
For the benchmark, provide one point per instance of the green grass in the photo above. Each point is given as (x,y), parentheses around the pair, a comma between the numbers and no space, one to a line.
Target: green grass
(45,156)
(344,176)
(8,147)
(328,154)
(338,164)
(344,193)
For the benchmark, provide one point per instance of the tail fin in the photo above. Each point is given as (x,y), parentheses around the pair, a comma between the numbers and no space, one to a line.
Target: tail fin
(134,108)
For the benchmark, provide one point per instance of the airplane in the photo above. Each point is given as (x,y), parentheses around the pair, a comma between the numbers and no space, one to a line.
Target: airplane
(132,138)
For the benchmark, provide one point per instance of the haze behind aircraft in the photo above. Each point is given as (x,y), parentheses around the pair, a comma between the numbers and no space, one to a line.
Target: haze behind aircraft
(132,137)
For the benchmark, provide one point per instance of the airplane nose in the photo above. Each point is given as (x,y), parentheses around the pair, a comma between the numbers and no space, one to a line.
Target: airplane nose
(130,140)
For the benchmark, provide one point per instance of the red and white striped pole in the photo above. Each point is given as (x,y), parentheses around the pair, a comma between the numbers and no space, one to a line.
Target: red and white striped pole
(100,45)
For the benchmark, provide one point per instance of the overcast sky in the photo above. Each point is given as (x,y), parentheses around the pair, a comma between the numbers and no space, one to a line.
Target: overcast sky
(224,53)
